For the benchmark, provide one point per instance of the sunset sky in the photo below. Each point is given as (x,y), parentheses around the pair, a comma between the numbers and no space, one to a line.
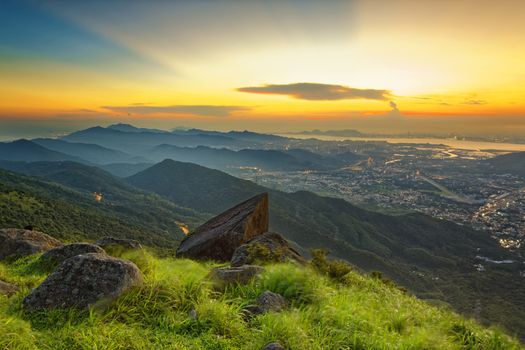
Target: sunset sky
(377,66)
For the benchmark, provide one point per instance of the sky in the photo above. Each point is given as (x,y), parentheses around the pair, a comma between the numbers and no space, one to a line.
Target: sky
(379,66)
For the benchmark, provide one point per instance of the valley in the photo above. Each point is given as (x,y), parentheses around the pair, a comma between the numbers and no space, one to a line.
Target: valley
(427,216)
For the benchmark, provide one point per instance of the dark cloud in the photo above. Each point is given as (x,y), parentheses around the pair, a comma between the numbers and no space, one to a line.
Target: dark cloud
(393,105)
(318,92)
(200,110)
(395,112)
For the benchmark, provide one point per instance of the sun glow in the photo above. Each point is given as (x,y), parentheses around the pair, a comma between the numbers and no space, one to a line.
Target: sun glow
(434,58)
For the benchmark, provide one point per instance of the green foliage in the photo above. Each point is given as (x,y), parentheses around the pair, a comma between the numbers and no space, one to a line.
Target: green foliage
(388,282)
(336,269)
(464,336)
(73,215)
(261,254)
(15,333)
(362,313)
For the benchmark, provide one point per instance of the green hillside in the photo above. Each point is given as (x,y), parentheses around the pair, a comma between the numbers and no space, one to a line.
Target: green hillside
(178,308)
(431,257)
(28,151)
(73,214)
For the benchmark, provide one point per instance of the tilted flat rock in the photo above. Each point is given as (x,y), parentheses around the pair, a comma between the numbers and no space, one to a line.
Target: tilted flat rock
(7,288)
(84,280)
(218,238)
(59,254)
(122,242)
(274,249)
(16,243)
(241,274)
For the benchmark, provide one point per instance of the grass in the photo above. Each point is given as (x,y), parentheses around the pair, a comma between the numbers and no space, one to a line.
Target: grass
(351,311)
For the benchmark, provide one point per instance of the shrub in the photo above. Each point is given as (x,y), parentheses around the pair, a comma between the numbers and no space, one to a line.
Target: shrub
(296,284)
(464,336)
(379,276)
(335,269)
(259,253)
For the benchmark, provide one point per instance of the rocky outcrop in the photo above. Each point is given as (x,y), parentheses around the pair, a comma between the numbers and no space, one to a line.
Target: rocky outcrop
(266,302)
(268,247)
(230,275)
(16,243)
(218,238)
(7,288)
(269,301)
(109,242)
(84,280)
(59,254)
(273,346)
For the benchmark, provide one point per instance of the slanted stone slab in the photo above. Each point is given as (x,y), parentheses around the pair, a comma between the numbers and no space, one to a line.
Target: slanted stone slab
(59,254)
(7,288)
(218,238)
(268,247)
(232,275)
(84,280)
(17,243)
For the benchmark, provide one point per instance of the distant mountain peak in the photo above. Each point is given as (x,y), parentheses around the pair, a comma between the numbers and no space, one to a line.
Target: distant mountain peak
(26,150)
(123,127)
(23,142)
(131,128)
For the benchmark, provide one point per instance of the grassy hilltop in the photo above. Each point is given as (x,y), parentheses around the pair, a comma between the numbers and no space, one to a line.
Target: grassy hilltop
(345,311)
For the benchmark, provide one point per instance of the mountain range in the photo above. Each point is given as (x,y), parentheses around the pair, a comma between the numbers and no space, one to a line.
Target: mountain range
(223,158)
(118,148)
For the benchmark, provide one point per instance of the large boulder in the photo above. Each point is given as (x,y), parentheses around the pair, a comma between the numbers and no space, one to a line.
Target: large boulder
(124,243)
(233,275)
(7,288)
(268,247)
(218,238)
(59,254)
(84,280)
(270,301)
(16,243)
